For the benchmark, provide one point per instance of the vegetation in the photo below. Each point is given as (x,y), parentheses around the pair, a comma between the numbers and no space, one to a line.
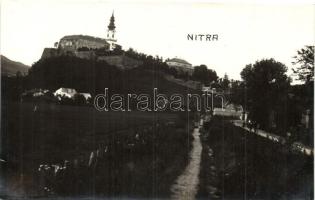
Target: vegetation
(266,90)
(93,76)
(272,102)
(11,68)
(204,75)
(150,149)
(135,148)
(241,165)
(305,58)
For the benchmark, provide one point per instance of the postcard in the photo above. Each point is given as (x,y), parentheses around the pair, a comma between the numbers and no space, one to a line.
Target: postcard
(105,99)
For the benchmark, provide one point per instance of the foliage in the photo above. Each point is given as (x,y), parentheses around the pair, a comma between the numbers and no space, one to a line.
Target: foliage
(204,75)
(72,72)
(225,82)
(79,99)
(63,100)
(266,86)
(237,93)
(305,58)
(91,76)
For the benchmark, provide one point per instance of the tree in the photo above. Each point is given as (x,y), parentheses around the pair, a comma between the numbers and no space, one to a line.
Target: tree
(266,86)
(225,82)
(204,75)
(173,72)
(237,92)
(305,58)
(79,99)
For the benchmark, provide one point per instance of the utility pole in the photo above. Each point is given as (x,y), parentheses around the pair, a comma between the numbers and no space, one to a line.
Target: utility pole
(212,99)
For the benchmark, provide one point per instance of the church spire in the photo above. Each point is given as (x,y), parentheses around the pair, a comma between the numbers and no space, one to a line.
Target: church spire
(111,25)
(111,33)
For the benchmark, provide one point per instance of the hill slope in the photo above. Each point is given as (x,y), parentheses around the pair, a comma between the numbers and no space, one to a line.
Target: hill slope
(91,76)
(10,68)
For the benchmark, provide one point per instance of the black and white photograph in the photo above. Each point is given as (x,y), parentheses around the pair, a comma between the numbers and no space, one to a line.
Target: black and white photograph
(183,100)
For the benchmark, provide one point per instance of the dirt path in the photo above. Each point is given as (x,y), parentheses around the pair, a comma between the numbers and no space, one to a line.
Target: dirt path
(186,185)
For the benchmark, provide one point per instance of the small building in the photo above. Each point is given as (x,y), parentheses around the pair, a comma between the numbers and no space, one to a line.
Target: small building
(33,93)
(234,108)
(206,89)
(65,92)
(182,66)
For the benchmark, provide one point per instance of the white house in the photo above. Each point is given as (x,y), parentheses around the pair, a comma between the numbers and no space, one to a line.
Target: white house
(65,92)
(206,89)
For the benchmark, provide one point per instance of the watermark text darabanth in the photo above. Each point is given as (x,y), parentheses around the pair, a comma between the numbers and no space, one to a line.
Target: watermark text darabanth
(153,102)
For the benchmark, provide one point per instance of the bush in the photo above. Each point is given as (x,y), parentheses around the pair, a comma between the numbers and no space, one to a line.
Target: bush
(79,99)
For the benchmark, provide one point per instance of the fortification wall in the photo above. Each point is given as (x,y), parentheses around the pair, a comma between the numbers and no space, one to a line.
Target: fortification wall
(49,52)
(85,54)
(52,52)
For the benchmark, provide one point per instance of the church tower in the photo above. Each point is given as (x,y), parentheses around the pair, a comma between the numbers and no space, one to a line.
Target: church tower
(111,33)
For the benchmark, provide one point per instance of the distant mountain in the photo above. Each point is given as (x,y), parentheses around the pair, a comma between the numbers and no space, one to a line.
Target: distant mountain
(10,67)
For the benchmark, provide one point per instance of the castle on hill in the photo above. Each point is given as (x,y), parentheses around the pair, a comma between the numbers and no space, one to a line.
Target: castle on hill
(77,42)
(89,47)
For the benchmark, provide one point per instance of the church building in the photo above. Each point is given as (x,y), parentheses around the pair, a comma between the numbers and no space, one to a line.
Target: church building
(84,42)
(89,47)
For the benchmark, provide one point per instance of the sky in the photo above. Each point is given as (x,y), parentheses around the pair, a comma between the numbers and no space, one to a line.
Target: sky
(247,31)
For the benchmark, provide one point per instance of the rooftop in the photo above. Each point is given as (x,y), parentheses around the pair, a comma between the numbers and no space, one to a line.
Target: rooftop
(178,60)
(83,37)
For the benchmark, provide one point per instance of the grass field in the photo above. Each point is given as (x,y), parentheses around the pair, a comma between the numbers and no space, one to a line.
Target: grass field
(142,153)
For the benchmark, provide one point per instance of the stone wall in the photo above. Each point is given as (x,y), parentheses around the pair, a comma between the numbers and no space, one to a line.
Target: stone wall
(85,54)
(52,52)
(49,52)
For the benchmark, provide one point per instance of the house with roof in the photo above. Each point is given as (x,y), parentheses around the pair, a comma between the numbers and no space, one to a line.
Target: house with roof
(181,65)
(65,92)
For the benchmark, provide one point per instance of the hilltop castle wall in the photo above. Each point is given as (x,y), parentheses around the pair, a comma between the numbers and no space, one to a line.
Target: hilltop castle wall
(52,52)
(85,54)
(121,61)
(49,52)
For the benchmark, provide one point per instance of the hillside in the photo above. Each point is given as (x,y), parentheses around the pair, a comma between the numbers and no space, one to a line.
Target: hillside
(10,68)
(93,76)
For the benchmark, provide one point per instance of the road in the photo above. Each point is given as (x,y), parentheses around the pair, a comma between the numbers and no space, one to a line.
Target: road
(276,138)
(186,185)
